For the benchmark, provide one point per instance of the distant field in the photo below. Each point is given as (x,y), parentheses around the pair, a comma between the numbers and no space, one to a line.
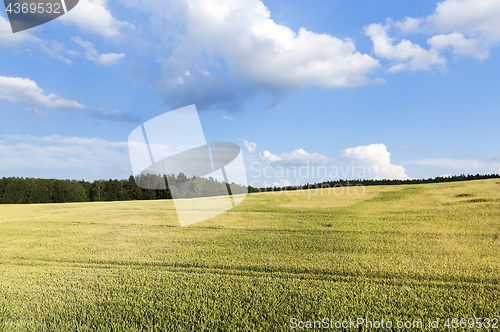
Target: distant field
(399,253)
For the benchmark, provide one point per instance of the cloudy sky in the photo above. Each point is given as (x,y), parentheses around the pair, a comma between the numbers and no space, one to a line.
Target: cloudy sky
(408,89)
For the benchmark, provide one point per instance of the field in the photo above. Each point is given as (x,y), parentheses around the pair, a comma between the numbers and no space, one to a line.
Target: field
(398,253)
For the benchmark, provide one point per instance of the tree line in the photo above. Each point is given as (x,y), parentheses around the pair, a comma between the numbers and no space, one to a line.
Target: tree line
(382,182)
(15,190)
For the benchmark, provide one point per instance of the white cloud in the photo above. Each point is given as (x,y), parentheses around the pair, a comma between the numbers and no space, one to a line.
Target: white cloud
(94,16)
(258,49)
(110,58)
(228,118)
(409,24)
(459,45)
(295,158)
(26,91)
(63,157)
(406,54)
(466,27)
(260,54)
(17,89)
(92,54)
(282,183)
(376,157)
(250,146)
(467,16)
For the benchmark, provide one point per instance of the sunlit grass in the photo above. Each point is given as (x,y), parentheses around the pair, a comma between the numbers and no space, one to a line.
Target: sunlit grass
(393,252)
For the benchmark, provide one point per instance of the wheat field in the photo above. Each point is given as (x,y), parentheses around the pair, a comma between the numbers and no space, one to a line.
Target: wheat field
(397,253)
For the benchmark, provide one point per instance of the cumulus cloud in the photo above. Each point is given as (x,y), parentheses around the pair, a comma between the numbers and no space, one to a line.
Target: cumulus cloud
(406,54)
(250,146)
(376,157)
(295,158)
(465,27)
(228,118)
(234,50)
(92,54)
(17,89)
(459,44)
(467,16)
(68,157)
(94,16)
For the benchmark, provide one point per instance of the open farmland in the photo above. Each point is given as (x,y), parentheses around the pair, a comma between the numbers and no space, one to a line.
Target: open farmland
(395,253)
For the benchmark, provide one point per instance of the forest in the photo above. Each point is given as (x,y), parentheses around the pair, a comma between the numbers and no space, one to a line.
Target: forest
(15,190)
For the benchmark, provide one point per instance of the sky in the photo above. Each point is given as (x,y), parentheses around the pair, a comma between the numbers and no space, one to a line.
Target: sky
(338,89)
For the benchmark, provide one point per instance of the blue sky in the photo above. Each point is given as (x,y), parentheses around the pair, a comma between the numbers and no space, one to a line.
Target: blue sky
(406,88)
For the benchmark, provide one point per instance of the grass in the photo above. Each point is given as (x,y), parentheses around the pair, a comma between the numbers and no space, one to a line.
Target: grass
(391,252)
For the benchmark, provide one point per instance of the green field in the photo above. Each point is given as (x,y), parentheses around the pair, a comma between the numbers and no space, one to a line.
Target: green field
(398,253)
